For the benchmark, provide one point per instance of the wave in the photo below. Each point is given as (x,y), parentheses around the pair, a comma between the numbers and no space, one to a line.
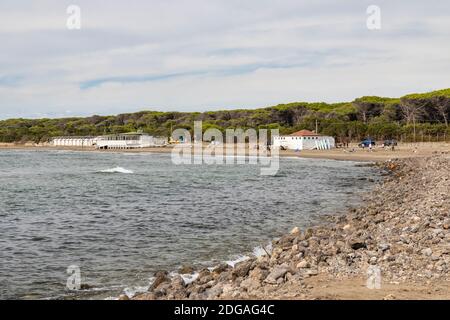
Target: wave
(257,252)
(188,278)
(117,170)
(238,259)
(262,250)
(133,291)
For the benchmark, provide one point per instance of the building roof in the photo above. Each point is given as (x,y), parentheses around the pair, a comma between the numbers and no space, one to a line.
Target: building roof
(125,134)
(305,133)
(137,133)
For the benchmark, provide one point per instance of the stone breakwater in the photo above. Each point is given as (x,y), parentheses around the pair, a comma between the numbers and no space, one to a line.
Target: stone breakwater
(402,230)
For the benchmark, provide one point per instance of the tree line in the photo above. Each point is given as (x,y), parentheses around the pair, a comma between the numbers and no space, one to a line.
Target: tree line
(414,117)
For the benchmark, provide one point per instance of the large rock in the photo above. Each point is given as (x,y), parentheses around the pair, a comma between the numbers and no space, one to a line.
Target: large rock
(214,292)
(384,246)
(177,289)
(311,272)
(287,240)
(242,268)
(204,276)
(221,268)
(160,277)
(357,244)
(308,233)
(346,227)
(276,273)
(250,284)
(295,231)
(178,283)
(186,269)
(259,273)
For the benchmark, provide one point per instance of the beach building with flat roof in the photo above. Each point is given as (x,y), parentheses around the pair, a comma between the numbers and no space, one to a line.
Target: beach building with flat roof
(112,141)
(303,140)
(130,140)
(74,141)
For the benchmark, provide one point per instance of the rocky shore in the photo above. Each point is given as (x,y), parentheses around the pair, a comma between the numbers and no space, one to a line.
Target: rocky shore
(402,232)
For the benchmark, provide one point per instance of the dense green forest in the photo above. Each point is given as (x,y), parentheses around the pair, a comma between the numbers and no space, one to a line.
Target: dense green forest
(414,117)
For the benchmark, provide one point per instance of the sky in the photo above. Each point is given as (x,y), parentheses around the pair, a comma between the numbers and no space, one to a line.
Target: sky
(197,55)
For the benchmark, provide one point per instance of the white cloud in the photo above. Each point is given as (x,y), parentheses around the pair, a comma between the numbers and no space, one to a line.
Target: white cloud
(209,54)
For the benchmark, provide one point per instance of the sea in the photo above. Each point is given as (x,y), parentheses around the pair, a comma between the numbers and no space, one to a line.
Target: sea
(95,225)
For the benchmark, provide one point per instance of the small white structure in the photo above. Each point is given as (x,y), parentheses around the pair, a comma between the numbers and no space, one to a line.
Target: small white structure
(74,141)
(130,141)
(304,140)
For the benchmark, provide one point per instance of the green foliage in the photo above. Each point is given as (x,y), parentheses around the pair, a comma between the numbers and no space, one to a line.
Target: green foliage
(428,95)
(379,117)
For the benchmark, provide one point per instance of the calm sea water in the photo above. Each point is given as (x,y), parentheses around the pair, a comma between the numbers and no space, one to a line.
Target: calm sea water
(62,208)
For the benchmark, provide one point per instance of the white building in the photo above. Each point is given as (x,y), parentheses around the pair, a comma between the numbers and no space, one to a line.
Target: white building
(74,141)
(304,140)
(130,141)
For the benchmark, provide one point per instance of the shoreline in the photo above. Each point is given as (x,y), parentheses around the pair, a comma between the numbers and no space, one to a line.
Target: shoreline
(402,231)
(330,259)
(353,153)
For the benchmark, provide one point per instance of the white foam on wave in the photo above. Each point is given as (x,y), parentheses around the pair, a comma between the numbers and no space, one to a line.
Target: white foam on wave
(262,251)
(232,263)
(188,278)
(117,170)
(130,292)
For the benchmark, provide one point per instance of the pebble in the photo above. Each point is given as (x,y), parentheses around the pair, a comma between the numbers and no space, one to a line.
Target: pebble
(302,264)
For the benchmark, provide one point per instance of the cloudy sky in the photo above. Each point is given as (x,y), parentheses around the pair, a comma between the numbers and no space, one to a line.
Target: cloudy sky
(214,54)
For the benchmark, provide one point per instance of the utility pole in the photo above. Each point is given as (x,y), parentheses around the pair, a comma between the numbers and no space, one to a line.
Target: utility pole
(317,127)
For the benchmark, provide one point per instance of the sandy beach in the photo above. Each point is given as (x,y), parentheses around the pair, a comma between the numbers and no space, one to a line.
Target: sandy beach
(352,153)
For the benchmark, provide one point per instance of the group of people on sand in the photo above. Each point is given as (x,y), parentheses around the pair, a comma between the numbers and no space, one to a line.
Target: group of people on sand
(385,147)
(370,148)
